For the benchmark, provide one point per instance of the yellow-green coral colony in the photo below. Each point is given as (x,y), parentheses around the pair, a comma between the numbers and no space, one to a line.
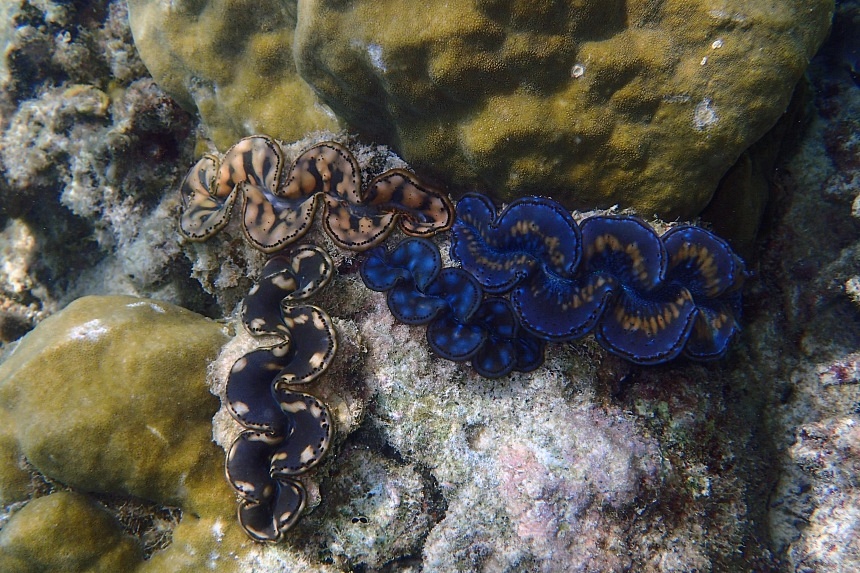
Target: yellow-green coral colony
(277,211)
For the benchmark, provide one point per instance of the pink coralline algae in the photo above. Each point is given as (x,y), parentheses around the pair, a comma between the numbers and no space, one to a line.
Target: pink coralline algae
(559,504)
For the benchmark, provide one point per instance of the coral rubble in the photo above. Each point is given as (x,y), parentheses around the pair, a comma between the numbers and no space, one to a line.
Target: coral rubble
(88,144)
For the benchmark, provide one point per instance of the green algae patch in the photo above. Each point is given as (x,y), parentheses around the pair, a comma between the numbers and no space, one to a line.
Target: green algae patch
(66,532)
(110,396)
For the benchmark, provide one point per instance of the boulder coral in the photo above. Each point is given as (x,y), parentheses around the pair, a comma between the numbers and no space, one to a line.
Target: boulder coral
(31,539)
(231,60)
(109,396)
(643,104)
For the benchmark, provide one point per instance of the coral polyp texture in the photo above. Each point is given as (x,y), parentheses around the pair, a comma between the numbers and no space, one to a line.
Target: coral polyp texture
(278,208)
(640,103)
(461,323)
(288,432)
(645,297)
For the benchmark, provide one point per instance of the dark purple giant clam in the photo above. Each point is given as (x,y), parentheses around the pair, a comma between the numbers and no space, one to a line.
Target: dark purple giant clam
(288,432)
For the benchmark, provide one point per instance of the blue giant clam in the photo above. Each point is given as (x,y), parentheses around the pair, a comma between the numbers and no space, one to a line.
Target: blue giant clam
(461,323)
(645,297)
(288,432)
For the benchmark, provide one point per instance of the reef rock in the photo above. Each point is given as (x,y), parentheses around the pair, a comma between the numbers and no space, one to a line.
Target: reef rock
(90,152)
(640,104)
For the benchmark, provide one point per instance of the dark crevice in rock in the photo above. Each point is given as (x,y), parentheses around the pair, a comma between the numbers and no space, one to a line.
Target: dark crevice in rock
(151,524)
